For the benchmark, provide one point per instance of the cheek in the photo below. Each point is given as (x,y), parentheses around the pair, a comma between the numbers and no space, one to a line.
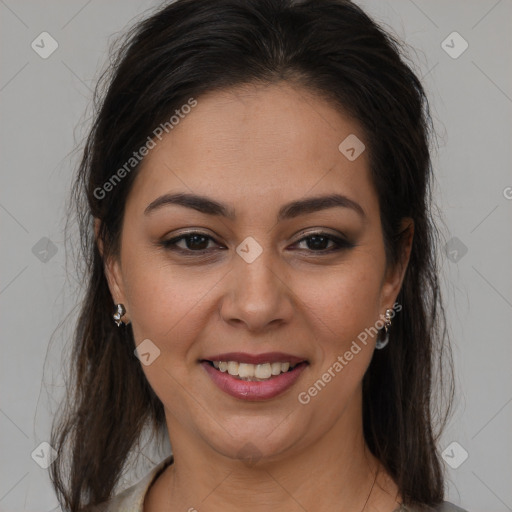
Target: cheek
(347,300)
(166,301)
(167,307)
(343,309)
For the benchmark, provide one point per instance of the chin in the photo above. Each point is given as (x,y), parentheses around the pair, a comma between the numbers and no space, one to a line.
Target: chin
(255,445)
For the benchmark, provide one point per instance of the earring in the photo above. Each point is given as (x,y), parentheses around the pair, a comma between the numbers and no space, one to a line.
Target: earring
(120,311)
(381,343)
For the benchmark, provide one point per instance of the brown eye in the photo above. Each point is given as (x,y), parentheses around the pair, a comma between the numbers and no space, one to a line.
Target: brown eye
(197,242)
(318,242)
(193,242)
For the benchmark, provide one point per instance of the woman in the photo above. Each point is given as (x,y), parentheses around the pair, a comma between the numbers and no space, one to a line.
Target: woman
(254,201)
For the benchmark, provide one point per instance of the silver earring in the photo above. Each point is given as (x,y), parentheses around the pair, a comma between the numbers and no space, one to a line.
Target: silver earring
(381,343)
(120,311)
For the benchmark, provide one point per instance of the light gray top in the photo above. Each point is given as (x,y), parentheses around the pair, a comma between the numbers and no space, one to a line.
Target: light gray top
(132,498)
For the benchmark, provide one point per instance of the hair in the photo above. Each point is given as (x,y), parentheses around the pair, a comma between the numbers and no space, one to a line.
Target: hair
(334,50)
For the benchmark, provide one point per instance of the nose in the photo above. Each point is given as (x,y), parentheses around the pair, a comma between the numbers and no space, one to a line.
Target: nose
(258,294)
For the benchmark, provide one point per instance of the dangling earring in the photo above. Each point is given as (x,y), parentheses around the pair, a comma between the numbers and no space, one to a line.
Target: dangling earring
(381,343)
(120,311)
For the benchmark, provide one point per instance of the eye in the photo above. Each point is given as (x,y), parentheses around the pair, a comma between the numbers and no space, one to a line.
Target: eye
(316,242)
(193,242)
(197,242)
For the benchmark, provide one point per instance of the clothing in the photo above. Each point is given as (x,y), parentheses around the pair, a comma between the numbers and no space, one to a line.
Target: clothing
(132,499)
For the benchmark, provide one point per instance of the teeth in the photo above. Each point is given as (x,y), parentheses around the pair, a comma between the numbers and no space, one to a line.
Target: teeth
(263,371)
(248,371)
(233,368)
(276,368)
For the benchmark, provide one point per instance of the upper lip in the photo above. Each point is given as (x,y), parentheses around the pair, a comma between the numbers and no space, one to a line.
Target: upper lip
(267,357)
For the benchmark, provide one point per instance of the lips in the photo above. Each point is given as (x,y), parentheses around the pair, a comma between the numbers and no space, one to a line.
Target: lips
(268,357)
(251,389)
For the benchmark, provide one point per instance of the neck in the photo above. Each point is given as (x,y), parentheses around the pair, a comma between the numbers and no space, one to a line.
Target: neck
(336,472)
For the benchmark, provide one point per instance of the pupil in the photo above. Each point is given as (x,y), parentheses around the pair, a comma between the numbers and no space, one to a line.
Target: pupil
(316,242)
(192,242)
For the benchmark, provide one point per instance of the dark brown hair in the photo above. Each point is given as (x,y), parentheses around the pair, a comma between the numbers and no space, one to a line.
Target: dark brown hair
(190,47)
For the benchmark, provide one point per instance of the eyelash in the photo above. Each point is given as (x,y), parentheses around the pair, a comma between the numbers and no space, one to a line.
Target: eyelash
(170,245)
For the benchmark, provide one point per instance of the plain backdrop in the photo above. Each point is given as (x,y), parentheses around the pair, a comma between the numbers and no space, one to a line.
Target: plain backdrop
(45,104)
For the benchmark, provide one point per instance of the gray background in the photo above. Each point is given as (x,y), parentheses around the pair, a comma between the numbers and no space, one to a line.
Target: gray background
(45,109)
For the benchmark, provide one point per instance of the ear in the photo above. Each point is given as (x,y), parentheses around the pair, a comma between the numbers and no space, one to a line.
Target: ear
(395,274)
(112,269)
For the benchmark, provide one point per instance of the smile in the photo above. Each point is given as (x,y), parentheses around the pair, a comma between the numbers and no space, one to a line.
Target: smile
(253,372)
(256,382)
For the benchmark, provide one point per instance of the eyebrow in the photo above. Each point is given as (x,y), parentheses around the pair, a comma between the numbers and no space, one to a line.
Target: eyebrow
(290,210)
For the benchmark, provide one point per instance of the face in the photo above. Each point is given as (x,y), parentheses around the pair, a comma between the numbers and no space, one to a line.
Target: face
(255,276)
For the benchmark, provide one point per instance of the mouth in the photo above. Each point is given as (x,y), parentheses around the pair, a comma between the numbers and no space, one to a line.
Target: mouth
(253,372)
(254,380)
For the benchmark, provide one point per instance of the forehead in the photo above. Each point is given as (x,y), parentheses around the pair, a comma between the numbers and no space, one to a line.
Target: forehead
(255,145)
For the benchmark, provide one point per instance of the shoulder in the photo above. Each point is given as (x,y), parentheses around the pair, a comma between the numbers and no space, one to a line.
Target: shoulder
(445,506)
(132,498)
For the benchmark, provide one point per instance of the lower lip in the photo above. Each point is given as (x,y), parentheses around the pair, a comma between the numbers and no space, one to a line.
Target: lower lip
(253,390)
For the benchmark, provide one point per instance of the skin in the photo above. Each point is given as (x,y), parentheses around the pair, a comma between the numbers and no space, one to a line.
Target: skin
(254,149)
